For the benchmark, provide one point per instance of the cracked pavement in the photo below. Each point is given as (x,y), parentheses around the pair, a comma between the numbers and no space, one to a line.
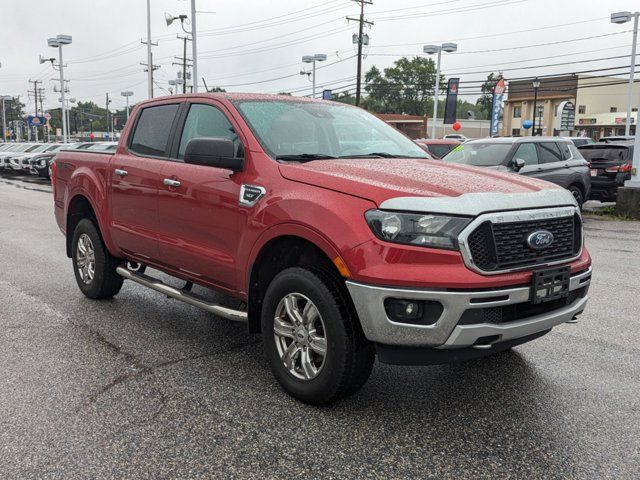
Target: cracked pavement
(142,386)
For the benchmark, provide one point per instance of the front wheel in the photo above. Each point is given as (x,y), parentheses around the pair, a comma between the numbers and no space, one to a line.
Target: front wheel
(312,337)
(93,265)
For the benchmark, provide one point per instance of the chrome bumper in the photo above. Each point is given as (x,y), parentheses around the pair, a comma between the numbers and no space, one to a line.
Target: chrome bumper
(446,333)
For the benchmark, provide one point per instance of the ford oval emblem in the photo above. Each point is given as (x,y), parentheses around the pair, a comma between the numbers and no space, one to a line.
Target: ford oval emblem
(540,239)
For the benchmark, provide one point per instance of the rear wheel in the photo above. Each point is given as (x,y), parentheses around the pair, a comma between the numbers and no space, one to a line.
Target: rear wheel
(312,338)
(576,191)
(93,265)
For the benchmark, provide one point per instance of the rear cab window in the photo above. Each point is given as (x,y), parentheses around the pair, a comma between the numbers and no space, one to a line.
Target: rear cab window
(153,130)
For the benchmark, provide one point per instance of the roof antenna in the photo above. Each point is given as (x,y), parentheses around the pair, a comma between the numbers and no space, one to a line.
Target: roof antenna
(205,85)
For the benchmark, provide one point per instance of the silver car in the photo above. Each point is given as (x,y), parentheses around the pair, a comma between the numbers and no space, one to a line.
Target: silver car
(553,159)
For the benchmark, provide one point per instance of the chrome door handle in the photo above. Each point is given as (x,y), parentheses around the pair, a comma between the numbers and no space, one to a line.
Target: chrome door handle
(122,173)
(171,183)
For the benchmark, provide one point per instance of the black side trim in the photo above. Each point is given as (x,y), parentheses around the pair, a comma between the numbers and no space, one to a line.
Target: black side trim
(394,355)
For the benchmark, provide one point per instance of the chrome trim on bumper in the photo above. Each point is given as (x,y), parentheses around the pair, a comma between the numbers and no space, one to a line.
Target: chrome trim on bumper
(515,216)
(467,335)
(377,327)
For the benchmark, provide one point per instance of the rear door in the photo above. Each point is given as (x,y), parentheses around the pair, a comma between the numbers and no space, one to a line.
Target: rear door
(135,175)
(552,166)
(200,214)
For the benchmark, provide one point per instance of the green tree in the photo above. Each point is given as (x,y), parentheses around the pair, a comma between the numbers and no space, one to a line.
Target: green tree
(486,99)
(345,97)
(407,87)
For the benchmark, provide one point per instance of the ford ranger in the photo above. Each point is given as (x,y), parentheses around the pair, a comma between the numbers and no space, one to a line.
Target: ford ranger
(330,232)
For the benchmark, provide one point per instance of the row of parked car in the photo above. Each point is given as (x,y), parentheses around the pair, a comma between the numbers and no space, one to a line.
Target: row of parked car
(589,170)
(36,158)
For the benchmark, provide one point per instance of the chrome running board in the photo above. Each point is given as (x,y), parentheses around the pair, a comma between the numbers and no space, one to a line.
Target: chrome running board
(183,296)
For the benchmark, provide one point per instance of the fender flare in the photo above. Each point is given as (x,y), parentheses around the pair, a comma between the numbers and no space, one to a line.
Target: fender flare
(287,229)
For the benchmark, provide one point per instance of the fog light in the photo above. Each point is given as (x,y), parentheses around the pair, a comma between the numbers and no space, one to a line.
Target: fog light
(415,312)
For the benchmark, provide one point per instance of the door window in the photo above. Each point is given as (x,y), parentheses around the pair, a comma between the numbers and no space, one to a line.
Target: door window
(153,129)
(527,152)
(206,121)
(549,152)
(565,149)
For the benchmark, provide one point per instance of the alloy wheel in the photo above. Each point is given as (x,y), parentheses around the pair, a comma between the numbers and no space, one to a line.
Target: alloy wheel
(300,337)
(86,258)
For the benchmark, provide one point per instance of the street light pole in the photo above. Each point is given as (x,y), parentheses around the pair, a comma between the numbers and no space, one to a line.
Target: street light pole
(536,85)
(126,95)
(4,119)
(318,57)
(58,42)
(620,18)
(194,48)
(430,50)
(435,95)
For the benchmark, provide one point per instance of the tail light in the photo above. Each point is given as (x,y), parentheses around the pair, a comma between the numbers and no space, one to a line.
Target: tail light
(619,169)
(54,171)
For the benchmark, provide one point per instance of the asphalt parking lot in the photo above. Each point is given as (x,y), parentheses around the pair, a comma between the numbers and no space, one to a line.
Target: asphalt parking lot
(145,387)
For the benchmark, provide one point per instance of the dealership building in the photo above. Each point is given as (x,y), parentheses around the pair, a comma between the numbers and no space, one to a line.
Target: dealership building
(569,105)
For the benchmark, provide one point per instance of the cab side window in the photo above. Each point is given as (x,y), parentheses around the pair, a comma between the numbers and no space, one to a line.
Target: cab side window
(151,134)
(565,150)
(207,121)
(527,152)
(549,152)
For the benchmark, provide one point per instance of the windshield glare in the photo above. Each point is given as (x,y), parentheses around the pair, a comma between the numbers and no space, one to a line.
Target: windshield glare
(479,154)
(286,128)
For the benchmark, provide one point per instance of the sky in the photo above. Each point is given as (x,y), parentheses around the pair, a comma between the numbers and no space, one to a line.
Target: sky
(257,45)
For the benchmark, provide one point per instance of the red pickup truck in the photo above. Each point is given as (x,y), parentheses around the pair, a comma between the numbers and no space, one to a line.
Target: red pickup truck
(329,231)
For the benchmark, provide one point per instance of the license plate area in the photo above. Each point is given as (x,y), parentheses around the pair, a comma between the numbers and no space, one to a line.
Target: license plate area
(550,284)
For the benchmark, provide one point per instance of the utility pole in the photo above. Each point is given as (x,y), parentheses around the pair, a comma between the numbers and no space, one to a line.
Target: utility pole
(149,57)
(35,99)
(184,62)
(361,22)
(107,103)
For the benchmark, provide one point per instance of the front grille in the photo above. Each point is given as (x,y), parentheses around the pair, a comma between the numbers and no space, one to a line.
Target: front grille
(502,246)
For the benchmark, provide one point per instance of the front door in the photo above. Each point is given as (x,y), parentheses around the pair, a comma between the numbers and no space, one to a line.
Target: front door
(135,174)
(199,206)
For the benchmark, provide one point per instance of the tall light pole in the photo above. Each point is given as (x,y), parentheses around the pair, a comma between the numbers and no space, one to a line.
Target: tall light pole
(58,42)
(430,50)
(619,18)
(318,57)
(126,95)
(536,86)
(194,47)
(4,117)
(149,56)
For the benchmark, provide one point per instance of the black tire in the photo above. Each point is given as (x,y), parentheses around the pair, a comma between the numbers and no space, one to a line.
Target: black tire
(576,191)
(349,356)
(105,282)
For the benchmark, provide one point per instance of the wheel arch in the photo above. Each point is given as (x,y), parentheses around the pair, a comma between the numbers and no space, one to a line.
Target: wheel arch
(276,254)
(80,206)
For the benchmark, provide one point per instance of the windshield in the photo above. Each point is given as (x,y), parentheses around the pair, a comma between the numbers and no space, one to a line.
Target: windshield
(310,130)
(605,153)
(40,148)
(479,154)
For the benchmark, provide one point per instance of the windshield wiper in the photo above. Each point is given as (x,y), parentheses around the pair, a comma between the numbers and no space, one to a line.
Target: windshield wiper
(379,155)
(305,156)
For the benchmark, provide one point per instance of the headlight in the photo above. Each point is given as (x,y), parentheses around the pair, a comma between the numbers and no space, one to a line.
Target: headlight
(426,230)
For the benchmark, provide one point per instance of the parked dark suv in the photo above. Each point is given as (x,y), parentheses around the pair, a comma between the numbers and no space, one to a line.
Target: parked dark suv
(554,159)
(610,166)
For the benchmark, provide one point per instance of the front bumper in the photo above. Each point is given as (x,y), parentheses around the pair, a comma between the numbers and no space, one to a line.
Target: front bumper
(446,333)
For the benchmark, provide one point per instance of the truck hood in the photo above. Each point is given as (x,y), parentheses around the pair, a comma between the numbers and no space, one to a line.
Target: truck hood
(382,179)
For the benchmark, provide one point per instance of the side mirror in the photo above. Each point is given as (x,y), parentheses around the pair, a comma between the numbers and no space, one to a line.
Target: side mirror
(518,163)
(212,152)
